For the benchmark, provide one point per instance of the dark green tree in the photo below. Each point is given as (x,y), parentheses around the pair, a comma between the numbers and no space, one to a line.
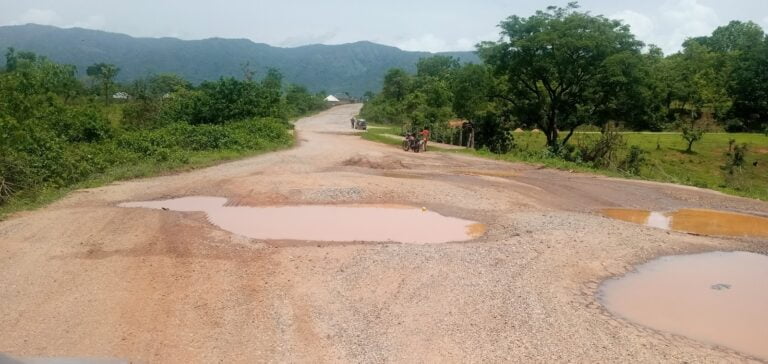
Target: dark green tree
(105,74)
(552,65)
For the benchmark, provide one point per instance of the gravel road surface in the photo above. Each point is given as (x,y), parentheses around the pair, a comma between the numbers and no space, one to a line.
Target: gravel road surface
(85,278)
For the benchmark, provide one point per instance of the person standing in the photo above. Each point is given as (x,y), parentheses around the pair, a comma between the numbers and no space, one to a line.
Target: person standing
(425,135)
(353,120)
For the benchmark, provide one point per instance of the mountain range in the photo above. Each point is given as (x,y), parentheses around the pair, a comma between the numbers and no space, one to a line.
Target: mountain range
(354,67)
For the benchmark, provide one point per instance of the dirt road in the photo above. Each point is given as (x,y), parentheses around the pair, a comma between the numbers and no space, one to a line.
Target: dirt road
(83,277)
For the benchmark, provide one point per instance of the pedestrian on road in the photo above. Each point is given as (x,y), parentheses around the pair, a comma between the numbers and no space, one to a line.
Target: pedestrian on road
(353,122)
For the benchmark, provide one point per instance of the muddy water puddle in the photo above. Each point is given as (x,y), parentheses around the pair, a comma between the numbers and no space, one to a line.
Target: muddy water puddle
(719,298)
(332,223)
(696,221)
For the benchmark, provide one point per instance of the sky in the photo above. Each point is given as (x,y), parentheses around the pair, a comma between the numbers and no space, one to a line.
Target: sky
(425,25)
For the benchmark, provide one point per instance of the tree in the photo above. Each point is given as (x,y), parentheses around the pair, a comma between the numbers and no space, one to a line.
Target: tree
(551,65)
(692,132)
(749,87)
(162,84)
(105,74)
(436,66)
(737,36)
(10,59)
(396,85)
(472,88)
(301,101)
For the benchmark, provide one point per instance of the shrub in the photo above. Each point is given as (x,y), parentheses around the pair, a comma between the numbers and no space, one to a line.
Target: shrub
(636,159)
(692,132)
(602,152)
(735,157)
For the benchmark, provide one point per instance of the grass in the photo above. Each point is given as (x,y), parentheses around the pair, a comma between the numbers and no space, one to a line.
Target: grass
(667,160)
(33,199)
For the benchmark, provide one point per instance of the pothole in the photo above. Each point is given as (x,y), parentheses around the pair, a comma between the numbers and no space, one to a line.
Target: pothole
(332,223)
(719,298)
(696,221)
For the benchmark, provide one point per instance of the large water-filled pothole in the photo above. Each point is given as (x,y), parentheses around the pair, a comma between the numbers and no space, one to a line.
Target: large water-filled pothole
(697,221)
(720,298)
(332,223)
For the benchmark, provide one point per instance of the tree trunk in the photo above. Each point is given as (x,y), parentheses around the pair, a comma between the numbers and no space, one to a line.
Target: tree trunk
(106,93)
(568,137)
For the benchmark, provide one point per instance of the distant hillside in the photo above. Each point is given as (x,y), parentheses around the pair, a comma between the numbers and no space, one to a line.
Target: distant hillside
(354,68)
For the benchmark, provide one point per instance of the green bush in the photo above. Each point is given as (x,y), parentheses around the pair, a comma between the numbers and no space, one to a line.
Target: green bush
(636,159)
(52,136)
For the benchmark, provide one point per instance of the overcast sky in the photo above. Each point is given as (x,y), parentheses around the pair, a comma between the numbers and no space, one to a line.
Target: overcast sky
(426,25)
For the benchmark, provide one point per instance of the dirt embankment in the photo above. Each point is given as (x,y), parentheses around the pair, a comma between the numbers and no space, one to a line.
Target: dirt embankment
(83,277)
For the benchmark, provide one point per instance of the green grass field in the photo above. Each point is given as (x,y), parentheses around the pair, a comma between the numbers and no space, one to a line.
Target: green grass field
(667,160)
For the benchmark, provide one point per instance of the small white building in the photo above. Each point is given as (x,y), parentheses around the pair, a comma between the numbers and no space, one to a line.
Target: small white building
(121,96)
(332,99)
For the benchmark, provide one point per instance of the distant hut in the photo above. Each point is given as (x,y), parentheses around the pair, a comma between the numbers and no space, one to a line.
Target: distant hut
(535,131)
(333,100)
(518,130)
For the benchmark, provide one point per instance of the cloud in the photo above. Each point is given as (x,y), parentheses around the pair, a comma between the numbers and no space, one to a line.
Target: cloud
(426,42)
(432,43)
(323,38)
(51,17)
(678,20)
(640,25)
(92,22)
(38,16)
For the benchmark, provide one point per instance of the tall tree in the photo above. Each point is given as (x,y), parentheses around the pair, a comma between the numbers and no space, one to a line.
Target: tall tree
(437,66)
(397,83)
(552,65)
(105,73)
(749,88)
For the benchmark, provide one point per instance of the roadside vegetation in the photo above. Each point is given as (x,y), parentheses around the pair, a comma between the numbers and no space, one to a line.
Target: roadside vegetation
(717,163)
(582,87)
(58,132)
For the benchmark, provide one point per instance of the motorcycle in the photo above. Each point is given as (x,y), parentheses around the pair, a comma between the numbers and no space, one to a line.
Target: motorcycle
(412,142)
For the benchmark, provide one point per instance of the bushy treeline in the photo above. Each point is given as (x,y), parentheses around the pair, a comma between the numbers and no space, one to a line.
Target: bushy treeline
(561,68)
(57,130)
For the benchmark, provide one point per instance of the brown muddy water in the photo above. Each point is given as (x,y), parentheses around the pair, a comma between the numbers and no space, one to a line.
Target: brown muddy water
(696,221)
(718,298)
(332,223)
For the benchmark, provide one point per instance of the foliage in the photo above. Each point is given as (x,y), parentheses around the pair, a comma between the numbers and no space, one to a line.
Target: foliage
(603,152)
(561,68)
(105,74)
(635,160)
(669,163)
(691,132)
(53,135)
(735,157)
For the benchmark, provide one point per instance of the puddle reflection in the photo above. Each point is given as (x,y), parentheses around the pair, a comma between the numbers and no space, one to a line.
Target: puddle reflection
(697,221)
(404,224)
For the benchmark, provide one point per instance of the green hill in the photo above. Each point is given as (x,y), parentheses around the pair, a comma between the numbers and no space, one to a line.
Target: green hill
(354,67)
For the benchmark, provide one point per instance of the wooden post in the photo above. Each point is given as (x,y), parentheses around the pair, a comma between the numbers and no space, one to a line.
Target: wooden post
(461,136)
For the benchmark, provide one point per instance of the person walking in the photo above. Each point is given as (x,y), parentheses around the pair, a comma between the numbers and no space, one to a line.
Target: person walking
(353,122)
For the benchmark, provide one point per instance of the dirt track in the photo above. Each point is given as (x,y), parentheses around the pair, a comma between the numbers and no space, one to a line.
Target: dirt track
(83,277)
